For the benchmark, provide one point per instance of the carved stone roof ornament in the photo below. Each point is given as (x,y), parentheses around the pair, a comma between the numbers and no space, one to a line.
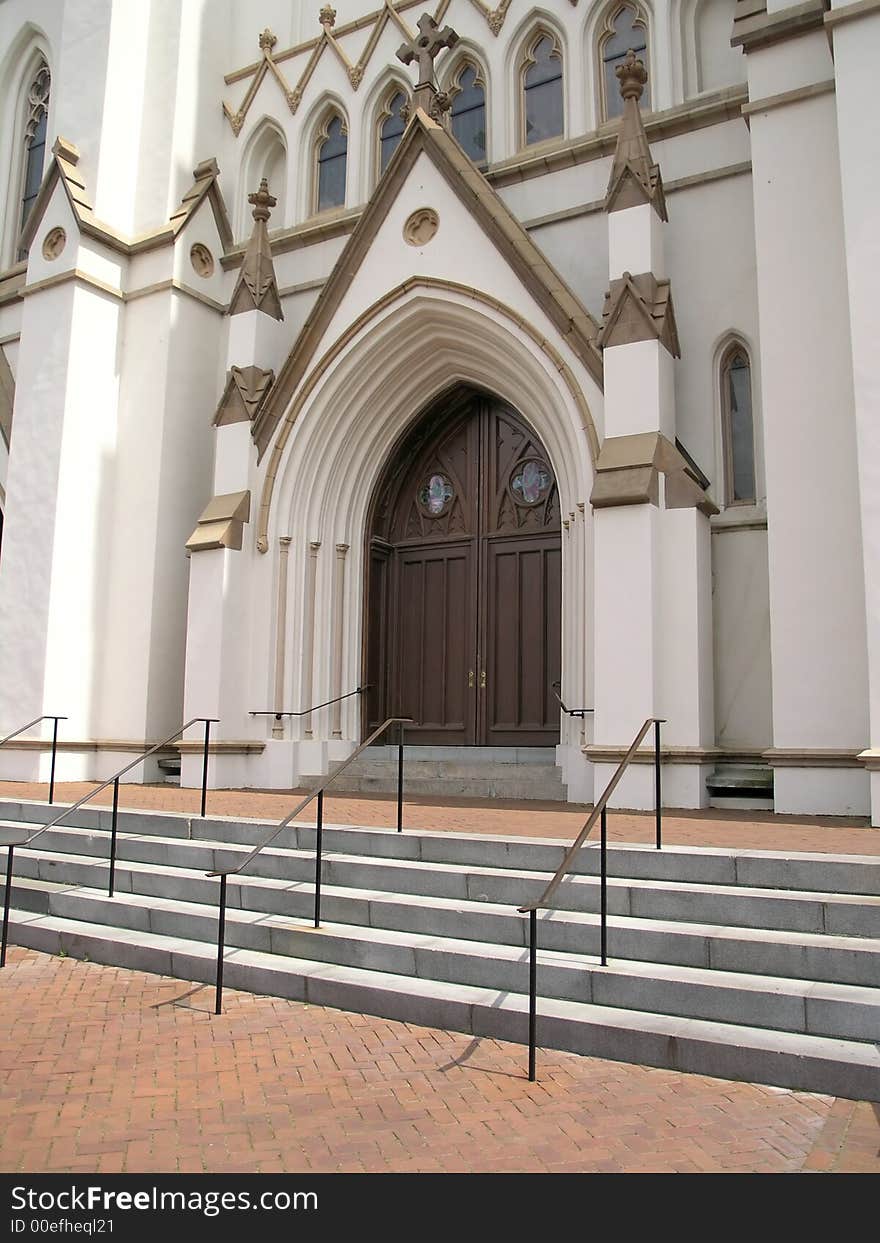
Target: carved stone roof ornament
(246,388)
(256,288)
(425,48)
(639,308)
(635,178)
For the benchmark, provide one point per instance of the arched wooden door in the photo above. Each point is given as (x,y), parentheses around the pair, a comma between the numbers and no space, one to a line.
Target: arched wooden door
(464,590)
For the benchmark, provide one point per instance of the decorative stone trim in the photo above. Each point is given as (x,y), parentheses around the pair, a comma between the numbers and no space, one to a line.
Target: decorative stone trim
(222,523)
(639,308)
(789,97)
(223,746)
(850,12)
(73,274)
(793,757)
(256,288)
(415,282)
(125,745)
(754,27)
(628,470)
(245,391)
(635,178)
(12,282)
(870,759)
(600,754)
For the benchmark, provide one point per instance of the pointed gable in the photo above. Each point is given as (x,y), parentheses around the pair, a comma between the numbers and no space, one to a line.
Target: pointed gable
(63,168)
(639,308)
(425,137)
(204,187)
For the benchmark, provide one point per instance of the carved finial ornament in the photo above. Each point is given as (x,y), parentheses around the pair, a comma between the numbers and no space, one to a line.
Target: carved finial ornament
(425,48)
(632,76)
(267,41)
(262,200)
(327,17)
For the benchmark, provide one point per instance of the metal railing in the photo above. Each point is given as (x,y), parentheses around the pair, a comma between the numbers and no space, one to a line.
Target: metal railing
(317,793)
(45,717)
(308,711)
(68,811)
(572,712)
(599,813)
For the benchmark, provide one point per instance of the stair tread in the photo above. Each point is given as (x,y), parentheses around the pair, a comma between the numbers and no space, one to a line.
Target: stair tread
(511,953)
(851,1052)
(575,880)
(680,927)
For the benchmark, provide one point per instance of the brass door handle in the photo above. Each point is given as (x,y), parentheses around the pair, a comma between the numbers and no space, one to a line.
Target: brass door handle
(483,680)
(470,679)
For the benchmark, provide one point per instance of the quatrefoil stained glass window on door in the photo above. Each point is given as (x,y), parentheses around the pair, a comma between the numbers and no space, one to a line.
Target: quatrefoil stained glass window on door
(435,495)
(530,483)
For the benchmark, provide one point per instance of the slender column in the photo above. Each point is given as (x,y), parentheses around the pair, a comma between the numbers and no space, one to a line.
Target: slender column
(577,575)
(338,614)
(309,632)
(281,633)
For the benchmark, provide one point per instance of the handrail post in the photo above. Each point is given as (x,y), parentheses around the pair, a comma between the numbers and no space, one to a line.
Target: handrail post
(7,901)
(318,849)
(533,991)
(221,933)
(55,720)
(603,887)
(113,836)
(205,769)
(400,778)
(657,795)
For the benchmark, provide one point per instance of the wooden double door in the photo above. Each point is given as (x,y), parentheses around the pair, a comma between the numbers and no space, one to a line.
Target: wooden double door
(464,590)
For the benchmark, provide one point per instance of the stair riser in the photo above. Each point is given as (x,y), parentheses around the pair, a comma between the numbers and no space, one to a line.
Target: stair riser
(812,1074)
(675,947)
(455,787)
(576,894)
(820,1017)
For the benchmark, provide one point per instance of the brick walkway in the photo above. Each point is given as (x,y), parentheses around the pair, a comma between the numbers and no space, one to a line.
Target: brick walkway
(105,1070)
(751,830)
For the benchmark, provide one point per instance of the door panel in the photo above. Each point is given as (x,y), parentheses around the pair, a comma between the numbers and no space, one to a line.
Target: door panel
(465,581)
(436,642)
(522,643)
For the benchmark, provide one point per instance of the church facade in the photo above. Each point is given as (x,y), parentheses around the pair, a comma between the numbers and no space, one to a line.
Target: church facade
(464,364)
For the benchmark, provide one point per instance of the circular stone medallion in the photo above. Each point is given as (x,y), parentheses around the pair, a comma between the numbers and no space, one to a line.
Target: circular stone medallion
(421,227)
(201,259)
(54,242)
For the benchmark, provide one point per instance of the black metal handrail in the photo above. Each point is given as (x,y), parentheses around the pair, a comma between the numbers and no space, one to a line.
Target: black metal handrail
(599,812)
(47,716)
(318,792)
(114,781)
(317,707)
(581,712)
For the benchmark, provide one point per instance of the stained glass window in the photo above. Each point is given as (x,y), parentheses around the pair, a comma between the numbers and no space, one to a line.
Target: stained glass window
(530,483)
(543,92)
(332,158)
(469,115)
(390,133)
(739,432)
(435,495)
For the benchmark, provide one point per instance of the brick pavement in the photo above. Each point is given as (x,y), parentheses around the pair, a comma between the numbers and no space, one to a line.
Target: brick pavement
(751,830)
(106,1070)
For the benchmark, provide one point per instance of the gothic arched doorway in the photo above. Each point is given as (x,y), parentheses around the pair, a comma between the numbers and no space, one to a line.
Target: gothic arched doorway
(464,581)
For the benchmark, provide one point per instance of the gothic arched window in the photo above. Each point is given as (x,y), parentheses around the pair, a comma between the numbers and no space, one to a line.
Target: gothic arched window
(737,426)
(390,129)
(543,111)
(624,30)
(468,112)
(332,159)
(35,129)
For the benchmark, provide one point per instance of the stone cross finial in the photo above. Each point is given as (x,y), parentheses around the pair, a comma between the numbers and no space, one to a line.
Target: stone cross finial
(262,201)
(425,48)
(632,76)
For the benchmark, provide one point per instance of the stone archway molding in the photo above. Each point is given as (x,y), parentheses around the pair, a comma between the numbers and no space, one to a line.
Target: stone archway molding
(416,283)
